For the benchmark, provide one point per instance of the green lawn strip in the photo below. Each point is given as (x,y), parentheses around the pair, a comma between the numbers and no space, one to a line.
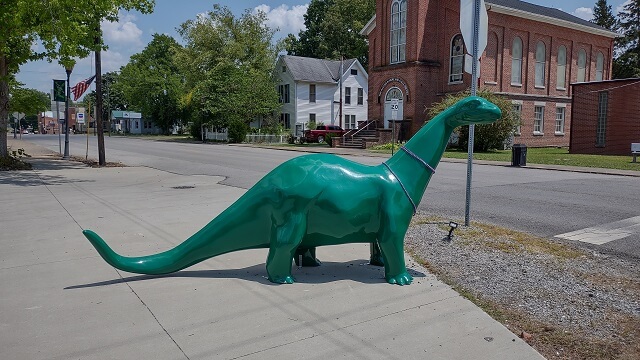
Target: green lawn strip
(548,156)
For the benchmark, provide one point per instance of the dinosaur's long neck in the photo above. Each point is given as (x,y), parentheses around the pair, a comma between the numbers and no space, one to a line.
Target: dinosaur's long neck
(429,145)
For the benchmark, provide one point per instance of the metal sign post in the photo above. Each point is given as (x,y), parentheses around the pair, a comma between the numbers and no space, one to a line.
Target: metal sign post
(474,34)
(394,116)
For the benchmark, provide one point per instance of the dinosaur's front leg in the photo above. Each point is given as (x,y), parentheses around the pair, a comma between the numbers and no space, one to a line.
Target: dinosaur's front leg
(391,240)
(283,244)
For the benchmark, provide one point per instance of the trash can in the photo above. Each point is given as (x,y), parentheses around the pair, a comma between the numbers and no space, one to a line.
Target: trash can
(519,155)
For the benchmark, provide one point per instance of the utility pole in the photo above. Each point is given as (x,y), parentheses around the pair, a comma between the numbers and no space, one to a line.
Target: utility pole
(101,157)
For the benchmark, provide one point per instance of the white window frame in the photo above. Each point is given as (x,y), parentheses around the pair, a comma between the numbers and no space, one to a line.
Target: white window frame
(516,62)
(599,66)
(582,66)
(517,108)
(601,125)
(312,93)
(456,60)
(538,118)
(347,95)
(360,96)
(350,122)
(398,38)
(561,79)
(561,115)
(541,63)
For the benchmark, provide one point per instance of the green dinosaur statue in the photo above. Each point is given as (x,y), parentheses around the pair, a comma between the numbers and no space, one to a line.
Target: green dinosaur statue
(321,199)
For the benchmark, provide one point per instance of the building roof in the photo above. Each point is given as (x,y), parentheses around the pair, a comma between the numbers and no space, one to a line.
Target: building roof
(546,12)
(315,70)
(530,11)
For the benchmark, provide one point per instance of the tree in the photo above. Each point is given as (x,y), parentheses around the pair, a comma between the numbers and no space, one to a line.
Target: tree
(152,82)
(229,64)
(112,96)
(627,64)
(28,102)
(333,30)
(603,15)
(309,40)
(486,136)
(66,29)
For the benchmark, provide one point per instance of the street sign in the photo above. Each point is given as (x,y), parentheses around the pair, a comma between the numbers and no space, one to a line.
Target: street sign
(80,118)
(467,8)
(394,109)
(61,121)
(58,90)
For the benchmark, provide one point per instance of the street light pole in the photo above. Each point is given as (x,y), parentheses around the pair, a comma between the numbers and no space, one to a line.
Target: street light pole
(68,69)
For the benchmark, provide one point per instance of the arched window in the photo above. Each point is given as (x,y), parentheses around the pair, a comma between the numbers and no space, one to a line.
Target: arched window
(516,61)
(491,59)
(582,65)
(599,66)
(562,67)
(398,31)
(541,54)
(456,67)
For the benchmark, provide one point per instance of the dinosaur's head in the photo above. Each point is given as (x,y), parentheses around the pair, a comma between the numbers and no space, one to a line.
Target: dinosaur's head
(473,110)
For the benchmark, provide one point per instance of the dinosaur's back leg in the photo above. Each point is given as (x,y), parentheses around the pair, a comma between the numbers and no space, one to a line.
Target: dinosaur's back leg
(285,238)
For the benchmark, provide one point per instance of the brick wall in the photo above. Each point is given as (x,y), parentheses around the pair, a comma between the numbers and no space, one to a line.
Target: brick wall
(622,124)
(431,26)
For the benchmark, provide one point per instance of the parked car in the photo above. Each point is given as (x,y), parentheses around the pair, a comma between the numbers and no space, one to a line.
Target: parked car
(321,132)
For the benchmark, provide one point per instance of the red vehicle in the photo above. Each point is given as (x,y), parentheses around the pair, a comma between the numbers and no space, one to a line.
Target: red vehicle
(321,132)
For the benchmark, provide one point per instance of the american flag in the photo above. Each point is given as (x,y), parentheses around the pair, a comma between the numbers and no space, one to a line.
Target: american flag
(81,87)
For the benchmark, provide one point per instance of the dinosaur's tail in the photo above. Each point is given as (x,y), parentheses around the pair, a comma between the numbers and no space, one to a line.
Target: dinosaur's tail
(161,263)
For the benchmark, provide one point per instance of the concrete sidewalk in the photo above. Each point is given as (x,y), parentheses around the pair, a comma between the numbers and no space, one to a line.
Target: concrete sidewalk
(60,300)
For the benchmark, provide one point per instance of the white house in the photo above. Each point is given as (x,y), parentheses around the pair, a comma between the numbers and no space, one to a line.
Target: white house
(310,92)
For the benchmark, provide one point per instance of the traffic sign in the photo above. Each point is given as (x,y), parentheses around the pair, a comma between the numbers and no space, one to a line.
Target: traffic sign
(394,109)
(467,9)
(80,118)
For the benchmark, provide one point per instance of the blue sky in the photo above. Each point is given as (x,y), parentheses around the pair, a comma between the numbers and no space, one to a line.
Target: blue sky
(134,30)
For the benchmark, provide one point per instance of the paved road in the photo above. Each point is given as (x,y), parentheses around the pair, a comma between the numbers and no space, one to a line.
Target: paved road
(543,202)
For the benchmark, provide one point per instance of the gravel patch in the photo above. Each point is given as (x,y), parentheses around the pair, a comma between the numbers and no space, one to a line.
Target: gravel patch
(578,293)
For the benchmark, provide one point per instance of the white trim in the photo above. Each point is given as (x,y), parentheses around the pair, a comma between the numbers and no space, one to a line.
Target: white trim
(539,103)
(549,20)
(517,102)
(368,28)
(561,105)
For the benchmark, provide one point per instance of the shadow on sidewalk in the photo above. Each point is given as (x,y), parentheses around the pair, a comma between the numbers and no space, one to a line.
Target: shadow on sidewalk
(356,270)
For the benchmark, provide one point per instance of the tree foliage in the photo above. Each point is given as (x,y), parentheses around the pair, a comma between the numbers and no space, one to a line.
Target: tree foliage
(486,136)
(112,96)
(152,82)
(333,30)
(228,64)
(603,15)
(627,64)
(66,29)
(28,101)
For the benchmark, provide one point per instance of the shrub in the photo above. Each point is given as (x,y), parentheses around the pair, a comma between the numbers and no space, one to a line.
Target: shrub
(328,138)
(237,131)
(14,162)
(486,136)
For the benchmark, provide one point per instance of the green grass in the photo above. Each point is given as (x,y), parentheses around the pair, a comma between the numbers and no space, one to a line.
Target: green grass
(554,156)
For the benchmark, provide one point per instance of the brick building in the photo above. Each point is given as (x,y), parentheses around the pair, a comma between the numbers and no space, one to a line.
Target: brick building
(416,55)
(606,117)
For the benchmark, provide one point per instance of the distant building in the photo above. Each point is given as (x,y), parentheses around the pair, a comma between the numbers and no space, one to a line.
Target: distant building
(416,55)
(130,122)
(606,117)
(309,91)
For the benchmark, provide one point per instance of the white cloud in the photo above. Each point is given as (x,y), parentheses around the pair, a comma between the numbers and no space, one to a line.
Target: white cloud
(125,31)
(286,19)
(584,13)
(621,7)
